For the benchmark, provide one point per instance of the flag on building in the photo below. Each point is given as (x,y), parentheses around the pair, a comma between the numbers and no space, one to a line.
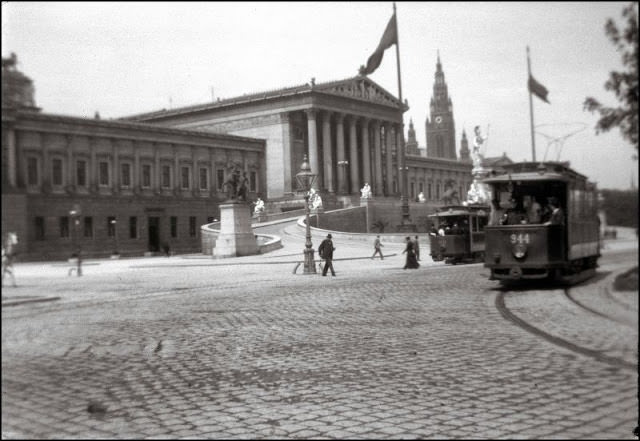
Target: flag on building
(538,89)
(389,38)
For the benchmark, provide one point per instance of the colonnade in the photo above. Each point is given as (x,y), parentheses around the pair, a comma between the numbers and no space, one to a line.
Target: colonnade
(366,150)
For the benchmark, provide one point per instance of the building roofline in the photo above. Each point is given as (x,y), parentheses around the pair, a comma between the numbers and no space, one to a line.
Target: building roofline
(252,97)
(108,123)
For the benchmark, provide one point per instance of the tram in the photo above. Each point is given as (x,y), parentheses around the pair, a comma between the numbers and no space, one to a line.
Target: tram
(458,233)
(543,223)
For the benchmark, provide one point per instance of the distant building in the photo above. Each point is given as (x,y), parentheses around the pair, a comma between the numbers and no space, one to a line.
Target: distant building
(138,186)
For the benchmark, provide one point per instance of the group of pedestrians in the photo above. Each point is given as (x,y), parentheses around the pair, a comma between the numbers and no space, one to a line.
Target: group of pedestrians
(412,249)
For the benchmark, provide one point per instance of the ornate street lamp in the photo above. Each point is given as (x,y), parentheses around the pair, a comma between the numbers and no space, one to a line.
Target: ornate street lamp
(343,165)
(74,214)
(306,179)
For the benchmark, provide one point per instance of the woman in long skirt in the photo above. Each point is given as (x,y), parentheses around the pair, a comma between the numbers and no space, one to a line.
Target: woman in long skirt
(412,261)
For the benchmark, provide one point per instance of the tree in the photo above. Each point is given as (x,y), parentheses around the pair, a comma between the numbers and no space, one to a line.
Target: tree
(623,84)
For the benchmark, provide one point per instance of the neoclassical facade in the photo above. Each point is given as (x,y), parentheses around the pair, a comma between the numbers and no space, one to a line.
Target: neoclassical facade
(105,186)
(350,130)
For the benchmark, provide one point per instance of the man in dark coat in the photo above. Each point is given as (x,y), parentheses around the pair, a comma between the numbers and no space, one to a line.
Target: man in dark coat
(326,250)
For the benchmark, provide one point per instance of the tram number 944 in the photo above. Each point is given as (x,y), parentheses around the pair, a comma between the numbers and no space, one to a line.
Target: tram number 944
(520,238)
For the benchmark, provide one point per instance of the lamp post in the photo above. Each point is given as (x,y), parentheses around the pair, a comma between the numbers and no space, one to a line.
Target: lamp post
(343,183)
(74,214)
(115,236)
(306,179)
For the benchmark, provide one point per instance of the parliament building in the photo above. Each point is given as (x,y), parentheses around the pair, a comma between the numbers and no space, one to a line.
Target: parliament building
(145,181)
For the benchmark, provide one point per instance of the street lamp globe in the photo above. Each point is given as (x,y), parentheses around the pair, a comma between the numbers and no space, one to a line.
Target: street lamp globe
(306,178)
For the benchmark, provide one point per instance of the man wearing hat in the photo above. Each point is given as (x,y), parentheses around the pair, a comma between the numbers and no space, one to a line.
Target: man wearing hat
(325,250)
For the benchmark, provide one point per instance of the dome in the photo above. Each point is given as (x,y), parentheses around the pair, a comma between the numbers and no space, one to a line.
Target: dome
(17,88)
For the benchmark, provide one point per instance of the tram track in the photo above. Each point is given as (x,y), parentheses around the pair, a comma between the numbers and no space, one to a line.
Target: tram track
(604,292)
(594,354)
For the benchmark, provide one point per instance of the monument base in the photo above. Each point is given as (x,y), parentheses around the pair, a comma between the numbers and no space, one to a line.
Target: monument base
(406,228)
(236,236)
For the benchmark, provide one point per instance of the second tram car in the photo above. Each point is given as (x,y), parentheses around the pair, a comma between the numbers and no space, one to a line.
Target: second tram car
(543,223)
(458,233)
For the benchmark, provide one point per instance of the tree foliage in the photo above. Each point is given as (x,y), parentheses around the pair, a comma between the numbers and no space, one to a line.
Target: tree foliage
(621,207)
(624,84)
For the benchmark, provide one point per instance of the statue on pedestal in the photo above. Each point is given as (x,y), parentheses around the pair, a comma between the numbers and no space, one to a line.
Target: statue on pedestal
(236,187)
(478,140)
(315,201)
(258,209)
(365,191)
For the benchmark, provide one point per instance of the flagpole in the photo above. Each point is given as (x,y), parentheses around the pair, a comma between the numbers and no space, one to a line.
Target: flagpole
(533,138)
(404,199)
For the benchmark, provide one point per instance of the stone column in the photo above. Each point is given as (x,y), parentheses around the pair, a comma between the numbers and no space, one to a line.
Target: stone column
(366,154)
(402,163)
(326,152)
(340,153)
(12,165)
(137,182)
(116,172)
(389,156)
(377,159)
(353,155)
(157,185)
(312,133)
(70,170)
(177,185)
(93,180)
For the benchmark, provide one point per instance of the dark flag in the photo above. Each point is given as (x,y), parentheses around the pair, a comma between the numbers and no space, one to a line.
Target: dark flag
(538,89)
(389,38)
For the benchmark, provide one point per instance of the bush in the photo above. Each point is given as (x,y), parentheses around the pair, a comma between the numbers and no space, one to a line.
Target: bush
(627,281)
(621,207)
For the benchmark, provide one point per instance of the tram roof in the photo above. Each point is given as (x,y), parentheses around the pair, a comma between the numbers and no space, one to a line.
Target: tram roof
(535,171)
(461,210)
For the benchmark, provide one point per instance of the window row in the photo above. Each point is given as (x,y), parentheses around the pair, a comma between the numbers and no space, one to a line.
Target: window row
(84,227)
(146,179)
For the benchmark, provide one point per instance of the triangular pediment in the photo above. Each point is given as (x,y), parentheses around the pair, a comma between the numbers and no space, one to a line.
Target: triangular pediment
(361,88)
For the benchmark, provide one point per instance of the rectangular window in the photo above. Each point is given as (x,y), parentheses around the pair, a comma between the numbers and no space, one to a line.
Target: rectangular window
(111,226)
(413,190)
(184,173)
(174,226)
(420,187)
(253,181)
(133,227)
(81,173)
(64,226)
(56,172)
(104,173)
(146,175)
(88,226)
(192,226)
(39,227)
(125,168)
(220,178)
(32,171)
(166,176)
(204,184)
(429,191)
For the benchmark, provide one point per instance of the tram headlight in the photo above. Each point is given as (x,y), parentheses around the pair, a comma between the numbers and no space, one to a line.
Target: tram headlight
(519,250)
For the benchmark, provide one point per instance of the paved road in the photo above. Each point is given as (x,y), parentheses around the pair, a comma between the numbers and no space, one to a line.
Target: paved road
(186,347)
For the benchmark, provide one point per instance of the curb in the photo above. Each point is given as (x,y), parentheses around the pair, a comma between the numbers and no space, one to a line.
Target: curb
(24,301)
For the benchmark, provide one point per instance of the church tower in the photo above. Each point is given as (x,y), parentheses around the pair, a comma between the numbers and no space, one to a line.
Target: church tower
(440,128)
(412,143)
(464,148)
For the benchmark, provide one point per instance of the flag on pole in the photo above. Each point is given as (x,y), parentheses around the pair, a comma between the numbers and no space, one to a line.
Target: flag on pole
(389,38)
(538,89)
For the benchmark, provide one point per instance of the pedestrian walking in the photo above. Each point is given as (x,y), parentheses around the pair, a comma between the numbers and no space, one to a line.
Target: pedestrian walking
(325,250)
(416,246)
(376,247)
(411,262)
(8,256)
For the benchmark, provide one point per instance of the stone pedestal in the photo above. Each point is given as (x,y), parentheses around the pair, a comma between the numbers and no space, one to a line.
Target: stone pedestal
(236,237)
(479,192)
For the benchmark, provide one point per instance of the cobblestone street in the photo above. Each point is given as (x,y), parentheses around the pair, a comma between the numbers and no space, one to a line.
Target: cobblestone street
(195,348)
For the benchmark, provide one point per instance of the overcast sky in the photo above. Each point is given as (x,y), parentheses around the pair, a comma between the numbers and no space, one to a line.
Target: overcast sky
(126,58)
